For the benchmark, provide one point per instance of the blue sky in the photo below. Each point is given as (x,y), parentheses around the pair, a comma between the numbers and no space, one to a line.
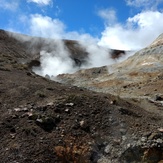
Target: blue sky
(122,24)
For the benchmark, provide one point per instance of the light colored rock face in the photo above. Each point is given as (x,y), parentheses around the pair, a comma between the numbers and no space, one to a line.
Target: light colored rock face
(149,56)
(158,41)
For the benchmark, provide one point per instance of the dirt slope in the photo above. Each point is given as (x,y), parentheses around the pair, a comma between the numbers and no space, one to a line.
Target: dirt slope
(45,121)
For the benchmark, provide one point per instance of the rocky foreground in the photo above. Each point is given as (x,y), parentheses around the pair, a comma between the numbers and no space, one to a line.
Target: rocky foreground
(45,121)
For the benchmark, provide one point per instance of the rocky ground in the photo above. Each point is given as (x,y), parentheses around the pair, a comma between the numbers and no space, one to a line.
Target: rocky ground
(138,79)
(44,121)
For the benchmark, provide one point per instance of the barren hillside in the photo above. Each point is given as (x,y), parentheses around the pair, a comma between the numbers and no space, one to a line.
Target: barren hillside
(45,121)
(138,78)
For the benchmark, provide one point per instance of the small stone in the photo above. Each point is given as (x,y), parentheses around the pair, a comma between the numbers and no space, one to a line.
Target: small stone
(58,116)
(50,104)
(32,116)
(29,106)
(20,109)
(69,104)
(124,138)
(25,109)
(111,102)
(67,110)
(159,141)
(152,136)
(107,149)
(12,136)
(29,114)
(23,115)
(17,109)
(128,145)
(143,139)
(57,128)
(39,120)
(89,143)
(82,123)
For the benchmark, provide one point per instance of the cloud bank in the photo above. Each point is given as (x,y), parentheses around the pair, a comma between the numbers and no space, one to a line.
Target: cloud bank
(137,32)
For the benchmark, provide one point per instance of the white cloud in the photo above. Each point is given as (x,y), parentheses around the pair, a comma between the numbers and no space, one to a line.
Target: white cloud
(109,15)
(41,2)
(11,5)
(148,19)
(45,26)
(148,4)
(138,3)
(138,31)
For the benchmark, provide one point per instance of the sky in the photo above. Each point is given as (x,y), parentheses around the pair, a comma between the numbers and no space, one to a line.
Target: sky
(118,24)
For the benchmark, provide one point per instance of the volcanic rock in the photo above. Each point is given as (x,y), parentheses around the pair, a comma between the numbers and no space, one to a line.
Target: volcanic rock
(99,127)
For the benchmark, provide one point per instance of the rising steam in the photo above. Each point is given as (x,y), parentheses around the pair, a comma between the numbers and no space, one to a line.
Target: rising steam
(56,58)
(59,60)
(56,62)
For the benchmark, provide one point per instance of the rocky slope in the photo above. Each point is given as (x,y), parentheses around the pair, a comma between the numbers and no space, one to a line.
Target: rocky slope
(45,121)
(139,77)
